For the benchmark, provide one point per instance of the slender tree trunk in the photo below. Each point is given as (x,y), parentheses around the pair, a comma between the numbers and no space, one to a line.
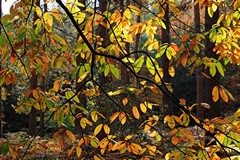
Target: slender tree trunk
(214,111)
(32,124)
(125,76)
(199,77)
(102,32)
(167,103)
(43,87)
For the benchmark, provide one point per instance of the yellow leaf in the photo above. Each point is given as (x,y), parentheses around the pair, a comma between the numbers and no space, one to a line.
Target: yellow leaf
(170,121)
(48,19)
(125,101)
(97,129)
(214,7)
(78,151)
(70,135)
(135,112)
(128,137)
(114,116)
(171,71)
(127,14)
(106,129)
(223,95)
(94,116)
(115,92)
(38,11)
(96,157)
(135,9)
(154,134)
(122,118)
(81,77)
(215,94)
(143,108)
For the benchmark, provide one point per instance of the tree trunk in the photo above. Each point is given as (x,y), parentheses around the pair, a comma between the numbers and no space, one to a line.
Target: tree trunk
(214,111)
(32,123)
(199,77)
(167,103)
(102,32)
(125,75)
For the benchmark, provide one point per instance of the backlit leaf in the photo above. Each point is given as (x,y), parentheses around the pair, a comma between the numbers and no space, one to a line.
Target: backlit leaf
(135,112)
(223,95)
(106,129)
(125,101)
(97,129)
(185,38)
(143,108)
(70,135)
(171,71)
(78,151)
(215,94)
(94,116)
(122,118)
(114,116)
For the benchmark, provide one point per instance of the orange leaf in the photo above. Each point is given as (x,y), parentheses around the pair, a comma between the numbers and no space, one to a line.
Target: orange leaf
(70,135)
(175,140)
(114,116)
(215,94)
(71,150)
(185,38)
(56,86)
(106,129)
(135,112)
(223,95)
(125,101)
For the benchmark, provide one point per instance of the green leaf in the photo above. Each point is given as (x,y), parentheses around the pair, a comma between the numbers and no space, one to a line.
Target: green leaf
(212,69)
(150,66)
(138,64)
(106,70)
(4,149)
(58,39)
(114,71)
(162,50)
(220,68)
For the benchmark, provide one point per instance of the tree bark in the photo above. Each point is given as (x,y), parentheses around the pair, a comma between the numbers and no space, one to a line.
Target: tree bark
(167,103)
(214,111)
(125,75)
(102,32)
(32,124)
(199,77)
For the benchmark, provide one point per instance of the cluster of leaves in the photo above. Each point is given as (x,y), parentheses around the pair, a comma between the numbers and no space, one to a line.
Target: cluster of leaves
(34,42)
